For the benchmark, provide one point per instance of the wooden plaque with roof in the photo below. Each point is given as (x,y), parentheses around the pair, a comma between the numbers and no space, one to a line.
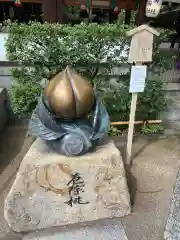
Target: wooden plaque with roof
(141,44)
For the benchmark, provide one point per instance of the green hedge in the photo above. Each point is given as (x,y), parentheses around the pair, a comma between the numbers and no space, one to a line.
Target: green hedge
(44,49)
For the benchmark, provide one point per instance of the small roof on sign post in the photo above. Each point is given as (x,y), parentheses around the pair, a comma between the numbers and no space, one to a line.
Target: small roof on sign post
(142,28)
(141,46)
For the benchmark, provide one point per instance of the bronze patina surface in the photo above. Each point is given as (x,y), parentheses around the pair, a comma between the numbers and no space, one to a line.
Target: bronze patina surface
(61,115)
(69,95)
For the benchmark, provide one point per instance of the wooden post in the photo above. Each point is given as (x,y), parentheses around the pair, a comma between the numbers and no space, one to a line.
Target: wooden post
(52,10)
(139,53)
(141,17)
(60,11)
(131,126)
(49,10)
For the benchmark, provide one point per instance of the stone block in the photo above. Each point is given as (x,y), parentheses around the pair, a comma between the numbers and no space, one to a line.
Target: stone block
(101,230)
(6,82)
(172,87)
(171,76)
(118,71)
(54,190)
(172,228)
(115,71)
(3,108)
(5,71)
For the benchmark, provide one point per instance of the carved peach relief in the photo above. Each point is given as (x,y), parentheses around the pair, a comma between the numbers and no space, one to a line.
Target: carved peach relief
(60,180)
(49,177)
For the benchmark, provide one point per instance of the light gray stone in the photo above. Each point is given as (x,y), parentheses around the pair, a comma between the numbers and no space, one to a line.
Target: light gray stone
(5,70)
(118,71)
(106,230)
(6,82)
(39,196)
(3,109)
(172,87)
(172,229)
(171,76)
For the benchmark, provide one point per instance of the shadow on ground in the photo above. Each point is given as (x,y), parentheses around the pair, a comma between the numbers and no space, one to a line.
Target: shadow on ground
(11,141)
(14,144)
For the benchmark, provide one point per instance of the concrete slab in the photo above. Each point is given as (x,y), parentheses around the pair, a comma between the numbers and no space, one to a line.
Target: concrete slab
(154,169)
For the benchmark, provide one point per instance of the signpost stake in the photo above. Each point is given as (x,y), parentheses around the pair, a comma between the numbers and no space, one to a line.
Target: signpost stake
(131,124)
(139,53)
(131,127)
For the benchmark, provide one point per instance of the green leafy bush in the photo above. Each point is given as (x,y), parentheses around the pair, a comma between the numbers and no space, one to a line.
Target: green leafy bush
(152,128)
(24,99)
(44,49)
(114,131)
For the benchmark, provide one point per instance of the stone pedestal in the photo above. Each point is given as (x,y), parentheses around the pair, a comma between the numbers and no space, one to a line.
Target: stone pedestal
(53,190)
(110,229)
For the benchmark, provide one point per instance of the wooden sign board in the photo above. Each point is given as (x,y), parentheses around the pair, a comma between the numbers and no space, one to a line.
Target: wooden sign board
(141,44)
(140,52)
(105,4)
(141,47)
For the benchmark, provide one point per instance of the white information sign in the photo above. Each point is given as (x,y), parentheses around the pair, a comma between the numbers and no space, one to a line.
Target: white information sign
(137,80)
